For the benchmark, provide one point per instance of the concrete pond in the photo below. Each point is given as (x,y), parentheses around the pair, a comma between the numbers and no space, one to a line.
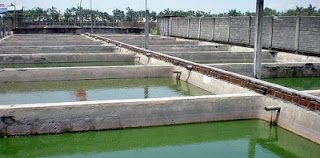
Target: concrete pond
(118,94)
(245,138)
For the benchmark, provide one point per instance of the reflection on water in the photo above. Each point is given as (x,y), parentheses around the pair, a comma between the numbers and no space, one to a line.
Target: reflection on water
(93,90)
(80,95)
(248,138)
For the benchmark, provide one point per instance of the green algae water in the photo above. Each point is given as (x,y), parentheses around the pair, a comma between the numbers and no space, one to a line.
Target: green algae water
(241,139)
(76,64)
(299,83)
(95,90)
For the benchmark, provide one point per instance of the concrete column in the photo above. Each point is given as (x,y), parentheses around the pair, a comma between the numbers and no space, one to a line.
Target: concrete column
(188,34)
(249,30)
(296,46)
(168,26)
(1,26)
(163,26)
(229,29)
(91,16)
(258,39)
(170,34)
(214,27)
(271,32)
(199,31)
(146,30)
(158,29)
(4,26)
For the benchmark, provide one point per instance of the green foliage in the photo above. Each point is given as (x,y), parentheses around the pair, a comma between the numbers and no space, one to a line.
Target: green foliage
(234,12)
(153,31)
(74,14)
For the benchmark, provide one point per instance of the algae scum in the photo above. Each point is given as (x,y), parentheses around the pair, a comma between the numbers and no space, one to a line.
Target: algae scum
(94,90)
(247,138)
(298,83)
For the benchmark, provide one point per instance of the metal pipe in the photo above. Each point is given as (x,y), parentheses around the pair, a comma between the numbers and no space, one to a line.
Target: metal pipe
(272,108)
(189,67)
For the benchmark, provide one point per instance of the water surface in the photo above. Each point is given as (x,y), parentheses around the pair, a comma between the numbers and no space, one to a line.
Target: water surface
(95,90)
(298,83)
(241,139)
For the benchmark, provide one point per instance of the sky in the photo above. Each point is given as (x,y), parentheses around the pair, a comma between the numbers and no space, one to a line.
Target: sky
(214,6)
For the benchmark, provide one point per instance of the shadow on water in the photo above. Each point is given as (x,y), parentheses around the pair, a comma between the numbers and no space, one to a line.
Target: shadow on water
(247,138)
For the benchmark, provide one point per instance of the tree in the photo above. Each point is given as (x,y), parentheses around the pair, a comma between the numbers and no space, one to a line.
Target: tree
(153,15)
(270,12)
(118,14)
(53,14)
(234,12)
(129,14)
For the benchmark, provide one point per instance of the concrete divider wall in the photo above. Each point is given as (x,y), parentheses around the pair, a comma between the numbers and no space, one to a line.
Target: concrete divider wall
(102,115)
(295,34)
(56,49)
(64,58)
(84,73)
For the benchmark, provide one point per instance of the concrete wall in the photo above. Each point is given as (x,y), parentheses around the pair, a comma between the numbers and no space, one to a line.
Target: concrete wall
(83,73)
(194,28)
(309,34)
(101,115)
(284,33)
(239,30)
(221,29)
(207,28)
(295,34)
(267,29)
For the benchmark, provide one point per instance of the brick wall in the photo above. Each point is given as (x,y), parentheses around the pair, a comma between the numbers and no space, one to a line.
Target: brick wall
(183,27)
(221,30)
(207,28)
(175,27)
(284,33)
(194,28)
(309,36)
(239,30)
(266,32)
(296,34)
